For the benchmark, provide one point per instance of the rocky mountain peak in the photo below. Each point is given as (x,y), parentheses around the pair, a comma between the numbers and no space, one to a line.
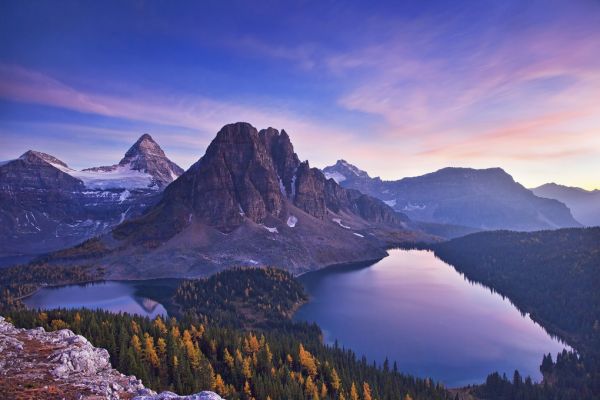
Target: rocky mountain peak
(35,157)
(235,179)
(145,146)
(146,157)
(254,175)
(342,170)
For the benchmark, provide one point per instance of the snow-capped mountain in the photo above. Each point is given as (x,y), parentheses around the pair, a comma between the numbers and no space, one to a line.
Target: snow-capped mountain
(478,198)
(145,166)
(46,205)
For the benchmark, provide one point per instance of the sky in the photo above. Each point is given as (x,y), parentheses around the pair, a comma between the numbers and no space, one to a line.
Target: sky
(398,89)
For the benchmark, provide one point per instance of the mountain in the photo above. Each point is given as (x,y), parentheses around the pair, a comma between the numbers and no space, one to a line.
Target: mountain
(46,205)
(144,163)
(584,204)
(485,199)
(249,201)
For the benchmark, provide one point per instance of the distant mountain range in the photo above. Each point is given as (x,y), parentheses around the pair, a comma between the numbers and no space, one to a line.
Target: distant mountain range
(584,204)
(46,205)
(485,199)
(248,201)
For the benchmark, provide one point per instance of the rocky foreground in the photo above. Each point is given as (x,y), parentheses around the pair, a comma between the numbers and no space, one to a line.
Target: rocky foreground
(35,364)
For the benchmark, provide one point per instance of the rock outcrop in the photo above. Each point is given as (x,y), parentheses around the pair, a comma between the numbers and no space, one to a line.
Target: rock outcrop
(59,364)
(48,365)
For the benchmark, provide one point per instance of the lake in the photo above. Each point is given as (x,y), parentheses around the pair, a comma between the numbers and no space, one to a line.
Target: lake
(134,297)
(411,307)
(417,310)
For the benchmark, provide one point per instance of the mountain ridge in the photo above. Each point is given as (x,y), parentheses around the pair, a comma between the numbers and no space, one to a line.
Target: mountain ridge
(480,198)
(251,201)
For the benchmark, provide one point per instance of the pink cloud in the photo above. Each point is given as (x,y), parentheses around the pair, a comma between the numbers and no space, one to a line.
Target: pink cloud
(197,113)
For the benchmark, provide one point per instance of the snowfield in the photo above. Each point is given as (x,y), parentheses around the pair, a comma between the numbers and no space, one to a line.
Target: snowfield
(118,177)
(336,176)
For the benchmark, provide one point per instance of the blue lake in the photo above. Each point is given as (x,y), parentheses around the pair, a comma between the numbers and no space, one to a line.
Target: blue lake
(417,310)
(115,296)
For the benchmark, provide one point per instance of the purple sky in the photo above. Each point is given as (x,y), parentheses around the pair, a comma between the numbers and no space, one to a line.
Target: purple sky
(398,89)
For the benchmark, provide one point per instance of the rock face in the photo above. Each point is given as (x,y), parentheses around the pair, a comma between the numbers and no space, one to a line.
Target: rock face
(43,365)
(45,205)
(39,364)
(250,201)
(477,198)
(584,204)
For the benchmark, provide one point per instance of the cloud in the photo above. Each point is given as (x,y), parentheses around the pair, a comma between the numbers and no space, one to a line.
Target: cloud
(510,93)
(200,115)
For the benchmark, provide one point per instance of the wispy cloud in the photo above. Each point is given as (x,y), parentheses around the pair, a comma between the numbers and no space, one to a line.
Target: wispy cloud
(196,113)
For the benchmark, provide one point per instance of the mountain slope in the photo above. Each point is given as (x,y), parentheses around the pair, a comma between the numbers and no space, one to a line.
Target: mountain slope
(46,205)
(480,198)
(584,204)
(249,200)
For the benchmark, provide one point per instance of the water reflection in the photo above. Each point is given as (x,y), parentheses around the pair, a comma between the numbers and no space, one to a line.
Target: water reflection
(418,311)
(111,296)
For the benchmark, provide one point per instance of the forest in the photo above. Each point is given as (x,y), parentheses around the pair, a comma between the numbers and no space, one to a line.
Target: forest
(554,276)
(262,355)
(19,281)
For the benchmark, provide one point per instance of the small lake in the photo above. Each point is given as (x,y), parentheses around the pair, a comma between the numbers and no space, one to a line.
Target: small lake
(417,310)
(114,296)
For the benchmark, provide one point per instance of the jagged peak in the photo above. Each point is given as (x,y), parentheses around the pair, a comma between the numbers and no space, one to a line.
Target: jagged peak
(144,146)
(343,170)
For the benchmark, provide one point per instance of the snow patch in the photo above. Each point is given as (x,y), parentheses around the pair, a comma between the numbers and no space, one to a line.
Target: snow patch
(173,175)
(339,222)
(292,221)
(294,184)
(242,213)
(390,203)
(336,176)
(272,230)
(124,195)
(413,207)
(117,177)
(358,234)
(281,187)
(124,214)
